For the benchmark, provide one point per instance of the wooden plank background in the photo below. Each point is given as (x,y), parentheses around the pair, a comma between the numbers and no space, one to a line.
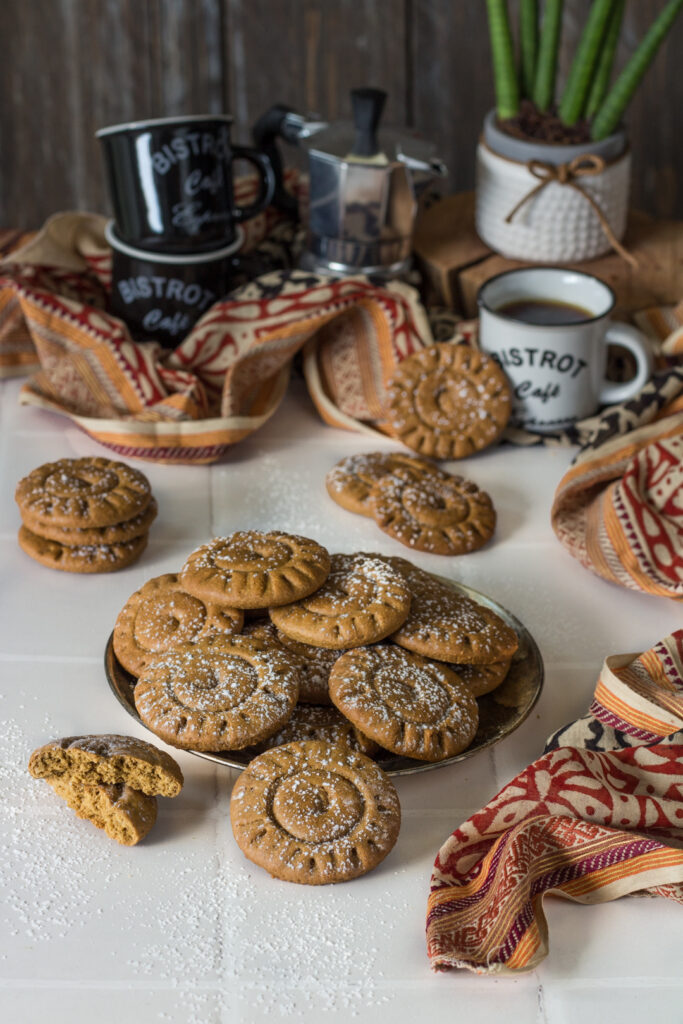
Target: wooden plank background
(71,66)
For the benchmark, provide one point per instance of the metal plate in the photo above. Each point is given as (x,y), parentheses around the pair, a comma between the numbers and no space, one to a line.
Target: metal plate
(500,712)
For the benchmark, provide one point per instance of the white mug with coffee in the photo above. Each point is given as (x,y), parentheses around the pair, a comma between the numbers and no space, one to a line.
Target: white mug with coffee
(548,328)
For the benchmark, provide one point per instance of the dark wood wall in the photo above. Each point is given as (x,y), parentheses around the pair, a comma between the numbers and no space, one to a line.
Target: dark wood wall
(71,66)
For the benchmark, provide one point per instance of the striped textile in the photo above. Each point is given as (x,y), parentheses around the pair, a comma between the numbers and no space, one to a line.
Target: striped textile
(619,507)
(228,375)
(598,816)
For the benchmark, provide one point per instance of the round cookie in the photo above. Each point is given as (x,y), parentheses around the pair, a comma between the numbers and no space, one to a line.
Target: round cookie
(161,615)
(316,722)
(407,704)
(87,558)
(448,401)
(314,662)
(221,693)
(314,813)
(251,569)
(357,605)
(108,760)
(447,516)
(82,493)
(75,537)
(351,481)
(482,679)
(448,626)
(125,814)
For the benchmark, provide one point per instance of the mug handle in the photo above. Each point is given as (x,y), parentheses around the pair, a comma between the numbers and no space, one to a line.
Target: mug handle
(636,342)
(267,176)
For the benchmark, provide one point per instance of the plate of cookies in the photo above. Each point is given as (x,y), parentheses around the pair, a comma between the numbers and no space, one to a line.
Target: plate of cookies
(264,638)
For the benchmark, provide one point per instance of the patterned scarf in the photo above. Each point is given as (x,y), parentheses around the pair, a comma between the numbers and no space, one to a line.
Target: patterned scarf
(598,816)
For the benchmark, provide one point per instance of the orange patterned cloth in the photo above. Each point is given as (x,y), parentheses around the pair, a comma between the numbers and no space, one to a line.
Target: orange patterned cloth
(228,375)
(598,816)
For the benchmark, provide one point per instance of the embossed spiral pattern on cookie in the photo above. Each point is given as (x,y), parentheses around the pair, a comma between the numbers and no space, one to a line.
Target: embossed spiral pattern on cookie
(350,483)
(161,615)
(447,625)
(88,492)
(447,516)
(357,604)
(314,813)
(251,569)
(407,704)
(221,693)
(448,401)
(321,722)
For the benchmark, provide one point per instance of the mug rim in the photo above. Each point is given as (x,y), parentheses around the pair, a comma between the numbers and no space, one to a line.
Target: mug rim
(157,122)
(178,260)
(481,303)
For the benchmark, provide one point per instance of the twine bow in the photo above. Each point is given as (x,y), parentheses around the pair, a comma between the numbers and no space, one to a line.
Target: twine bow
(586,165)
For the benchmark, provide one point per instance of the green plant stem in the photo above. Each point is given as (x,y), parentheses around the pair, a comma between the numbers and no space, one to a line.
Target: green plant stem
(503,57)
(543,92)
(605,60)
(528,38)
(616,101)
(585,58)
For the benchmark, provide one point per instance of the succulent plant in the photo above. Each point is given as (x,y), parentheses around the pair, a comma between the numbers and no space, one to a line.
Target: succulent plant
(588,94)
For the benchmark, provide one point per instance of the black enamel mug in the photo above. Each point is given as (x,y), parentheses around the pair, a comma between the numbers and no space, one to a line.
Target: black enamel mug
(171,182)
(161,296)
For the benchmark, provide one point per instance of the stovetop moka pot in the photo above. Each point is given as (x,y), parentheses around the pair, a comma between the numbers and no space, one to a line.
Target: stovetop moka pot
(364,185)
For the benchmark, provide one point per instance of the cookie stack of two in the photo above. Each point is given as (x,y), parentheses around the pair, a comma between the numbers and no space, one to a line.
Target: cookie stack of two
(87,515)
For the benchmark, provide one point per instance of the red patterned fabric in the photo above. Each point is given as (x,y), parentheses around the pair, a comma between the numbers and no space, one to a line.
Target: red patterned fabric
(586,821)
(225,378)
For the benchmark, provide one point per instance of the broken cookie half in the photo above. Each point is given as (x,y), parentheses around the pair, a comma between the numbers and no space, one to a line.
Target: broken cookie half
(112,781)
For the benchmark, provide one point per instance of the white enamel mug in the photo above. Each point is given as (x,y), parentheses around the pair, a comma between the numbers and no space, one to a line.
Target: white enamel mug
(557,371)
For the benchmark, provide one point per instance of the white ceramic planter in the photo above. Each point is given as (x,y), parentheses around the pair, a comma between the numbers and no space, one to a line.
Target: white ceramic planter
(558,224)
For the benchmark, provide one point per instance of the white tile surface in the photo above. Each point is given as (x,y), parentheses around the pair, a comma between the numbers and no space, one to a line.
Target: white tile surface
(183,928)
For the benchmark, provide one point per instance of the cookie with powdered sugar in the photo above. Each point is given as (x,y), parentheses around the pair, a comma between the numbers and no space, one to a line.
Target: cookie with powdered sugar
(83,558)
(448,401)
(445,515)
(408,704)
(82,493)
(255,569)
(314,662)
(483,679)
(350,483)
(162,615)
(314,813)
(221,693)
(321,722)
(362,600)
(445,624)
(118,533)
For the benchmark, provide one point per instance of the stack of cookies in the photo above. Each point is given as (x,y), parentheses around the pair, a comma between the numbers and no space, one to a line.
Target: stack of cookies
(112,781)
(343,657)
(414,501)
(86,515)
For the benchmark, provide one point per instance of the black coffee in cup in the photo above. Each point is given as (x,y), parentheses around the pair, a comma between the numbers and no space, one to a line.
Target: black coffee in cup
(545,312)
(171,182)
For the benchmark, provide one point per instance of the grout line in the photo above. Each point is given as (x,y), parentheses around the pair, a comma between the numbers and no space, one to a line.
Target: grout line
(60,659)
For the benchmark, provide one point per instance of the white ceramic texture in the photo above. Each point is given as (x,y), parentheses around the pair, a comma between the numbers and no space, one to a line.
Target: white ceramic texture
(557,372)
(182,929)
(557,225)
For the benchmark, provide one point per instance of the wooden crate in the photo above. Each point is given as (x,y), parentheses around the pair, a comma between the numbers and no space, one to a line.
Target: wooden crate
(455,262)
